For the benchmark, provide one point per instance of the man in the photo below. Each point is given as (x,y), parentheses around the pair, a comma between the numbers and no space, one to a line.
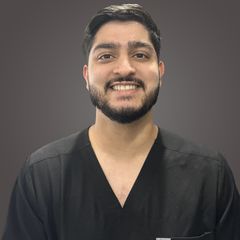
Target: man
(124,177)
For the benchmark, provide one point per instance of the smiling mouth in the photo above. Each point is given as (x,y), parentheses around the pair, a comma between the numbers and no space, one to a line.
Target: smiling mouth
(124,84)
(125,87)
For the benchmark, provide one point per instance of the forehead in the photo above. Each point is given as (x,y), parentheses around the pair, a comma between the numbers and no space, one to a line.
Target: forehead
(121,32)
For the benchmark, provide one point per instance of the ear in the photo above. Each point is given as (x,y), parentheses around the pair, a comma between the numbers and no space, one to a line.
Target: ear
(85,75)
(161,68)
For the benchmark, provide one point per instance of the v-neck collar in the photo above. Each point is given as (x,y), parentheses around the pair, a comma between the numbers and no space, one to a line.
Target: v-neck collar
(141,186)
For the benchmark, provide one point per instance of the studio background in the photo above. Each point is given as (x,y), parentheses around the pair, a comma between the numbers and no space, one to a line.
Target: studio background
(43,95)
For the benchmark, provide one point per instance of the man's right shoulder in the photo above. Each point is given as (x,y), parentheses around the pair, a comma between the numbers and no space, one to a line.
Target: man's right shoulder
(64,146)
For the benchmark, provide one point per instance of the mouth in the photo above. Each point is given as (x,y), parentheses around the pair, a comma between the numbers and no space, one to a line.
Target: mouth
(127,84)
(124,86)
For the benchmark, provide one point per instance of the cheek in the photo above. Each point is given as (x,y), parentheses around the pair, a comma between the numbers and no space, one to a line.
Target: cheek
(94,79)
(150,76)
(97,76)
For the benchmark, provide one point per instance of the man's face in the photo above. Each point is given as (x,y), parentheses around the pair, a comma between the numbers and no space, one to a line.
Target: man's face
(123,74)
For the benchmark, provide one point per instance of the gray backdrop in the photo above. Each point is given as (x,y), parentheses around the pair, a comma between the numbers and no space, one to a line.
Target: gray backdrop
(43,95)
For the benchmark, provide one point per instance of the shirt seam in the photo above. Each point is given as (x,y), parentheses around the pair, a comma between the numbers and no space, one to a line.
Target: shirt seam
(195,154)
(54,156)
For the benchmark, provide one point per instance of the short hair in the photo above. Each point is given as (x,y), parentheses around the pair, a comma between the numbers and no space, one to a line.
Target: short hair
(122,12)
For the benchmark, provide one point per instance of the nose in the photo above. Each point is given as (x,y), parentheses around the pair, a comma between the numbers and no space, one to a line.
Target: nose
(124,67)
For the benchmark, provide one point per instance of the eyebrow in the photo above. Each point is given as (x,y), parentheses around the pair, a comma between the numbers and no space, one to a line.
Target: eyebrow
(105,46)
(131,45)
(139,44)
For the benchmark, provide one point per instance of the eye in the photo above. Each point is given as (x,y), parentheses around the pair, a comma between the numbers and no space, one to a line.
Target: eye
(141,56)
(105,57)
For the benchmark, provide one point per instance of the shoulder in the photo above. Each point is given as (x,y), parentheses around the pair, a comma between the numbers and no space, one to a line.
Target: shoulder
(186,151)
(62,147)
(196,162)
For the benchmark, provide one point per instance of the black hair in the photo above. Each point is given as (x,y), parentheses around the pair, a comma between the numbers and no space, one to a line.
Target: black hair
(122,12)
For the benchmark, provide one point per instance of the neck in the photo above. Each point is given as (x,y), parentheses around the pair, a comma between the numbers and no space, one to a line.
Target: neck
(120,137)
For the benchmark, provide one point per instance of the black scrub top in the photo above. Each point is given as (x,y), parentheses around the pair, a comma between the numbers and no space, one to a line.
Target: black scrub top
(183,192)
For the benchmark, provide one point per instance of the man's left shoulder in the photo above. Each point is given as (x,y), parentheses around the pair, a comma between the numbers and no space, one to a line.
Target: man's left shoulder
(187,151)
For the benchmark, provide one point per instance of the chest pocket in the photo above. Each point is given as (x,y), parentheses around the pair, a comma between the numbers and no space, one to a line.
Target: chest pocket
(205,236)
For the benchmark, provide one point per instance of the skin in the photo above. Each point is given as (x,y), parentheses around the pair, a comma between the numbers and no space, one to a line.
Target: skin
(115,54)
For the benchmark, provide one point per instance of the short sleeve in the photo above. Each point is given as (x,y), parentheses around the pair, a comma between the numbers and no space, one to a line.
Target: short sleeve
(24,220)
(228,204)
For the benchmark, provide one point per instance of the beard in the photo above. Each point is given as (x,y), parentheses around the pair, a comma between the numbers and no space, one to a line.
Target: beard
(123,114)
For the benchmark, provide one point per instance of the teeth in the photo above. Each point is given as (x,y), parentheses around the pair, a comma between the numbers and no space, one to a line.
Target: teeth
(124,87)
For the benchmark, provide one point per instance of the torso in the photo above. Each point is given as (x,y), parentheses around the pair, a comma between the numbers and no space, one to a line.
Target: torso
(76,202)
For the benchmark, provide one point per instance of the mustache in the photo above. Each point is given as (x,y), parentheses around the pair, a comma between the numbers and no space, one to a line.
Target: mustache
(125,79)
